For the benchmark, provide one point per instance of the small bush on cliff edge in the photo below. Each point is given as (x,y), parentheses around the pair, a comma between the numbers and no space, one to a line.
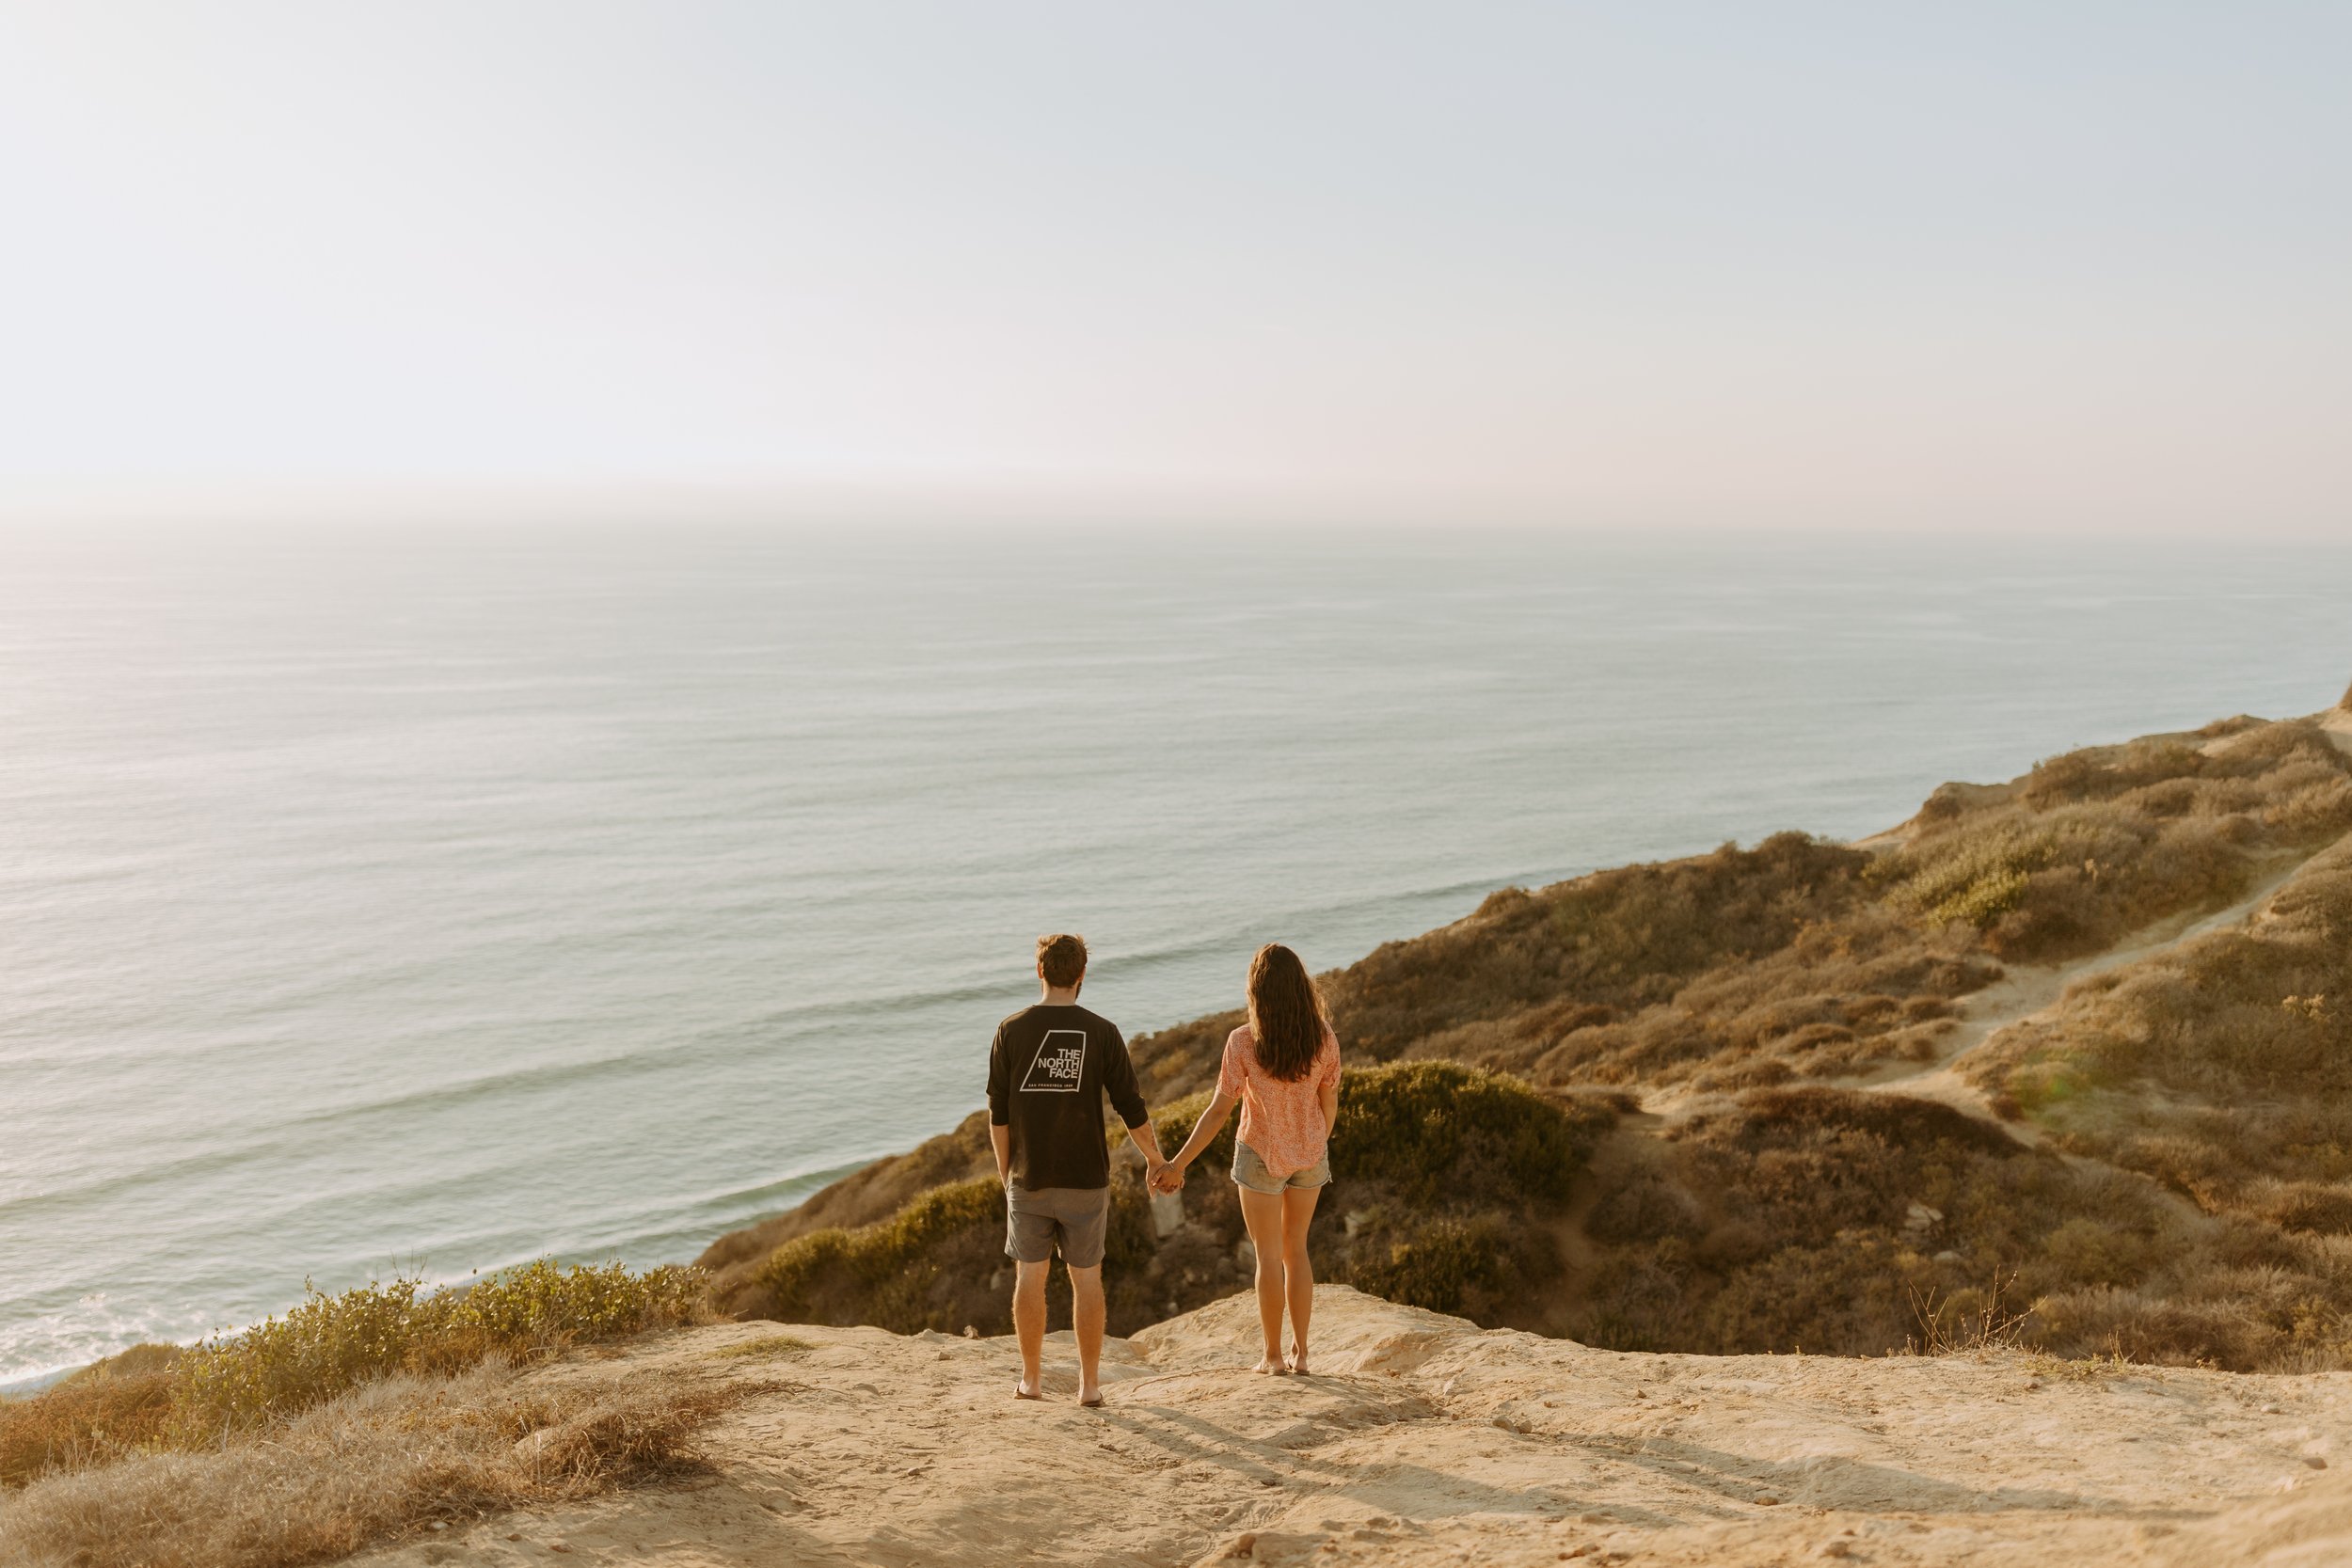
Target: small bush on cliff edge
(329,1344)
(903,1273)
(1439,1132)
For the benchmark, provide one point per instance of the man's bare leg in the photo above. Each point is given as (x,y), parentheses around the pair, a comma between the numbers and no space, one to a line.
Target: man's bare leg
(1028,1321)
(1086,1317)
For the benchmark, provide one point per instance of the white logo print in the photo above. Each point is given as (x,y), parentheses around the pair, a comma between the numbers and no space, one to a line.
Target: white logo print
(1061,1059)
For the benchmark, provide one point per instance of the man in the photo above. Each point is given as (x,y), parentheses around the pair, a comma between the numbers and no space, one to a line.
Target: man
(1047,1073)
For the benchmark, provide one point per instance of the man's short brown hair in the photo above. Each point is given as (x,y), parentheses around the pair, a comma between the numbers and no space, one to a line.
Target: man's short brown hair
(1061,959)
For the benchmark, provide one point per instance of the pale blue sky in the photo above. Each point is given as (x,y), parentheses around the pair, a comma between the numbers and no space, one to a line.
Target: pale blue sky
(1881,266)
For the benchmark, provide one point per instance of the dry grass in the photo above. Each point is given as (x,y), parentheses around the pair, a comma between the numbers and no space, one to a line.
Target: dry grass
(1981,1323)
(2095,844)
(2220,1069)
(94,1417)
(158,1398)
(332,1343)
(1817,1219)
(1768,975)
(779,1346)
(378,1461)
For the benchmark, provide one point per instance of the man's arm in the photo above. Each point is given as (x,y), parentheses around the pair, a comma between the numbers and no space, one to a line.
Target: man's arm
(1000,1107)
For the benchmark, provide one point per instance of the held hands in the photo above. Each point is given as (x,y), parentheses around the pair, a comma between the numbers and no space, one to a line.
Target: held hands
(1168,1176)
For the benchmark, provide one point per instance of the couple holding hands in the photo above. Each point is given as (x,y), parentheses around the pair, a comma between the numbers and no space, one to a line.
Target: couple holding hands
(1048,1071)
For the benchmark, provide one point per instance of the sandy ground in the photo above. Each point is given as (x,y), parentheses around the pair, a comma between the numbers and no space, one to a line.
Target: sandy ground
(1425,1440)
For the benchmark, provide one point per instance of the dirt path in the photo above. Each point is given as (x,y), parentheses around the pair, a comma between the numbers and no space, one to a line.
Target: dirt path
(2022,992)
(2027,990)
(1427,1441)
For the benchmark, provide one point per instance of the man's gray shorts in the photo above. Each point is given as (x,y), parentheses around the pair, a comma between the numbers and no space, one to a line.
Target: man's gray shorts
(1073,1217)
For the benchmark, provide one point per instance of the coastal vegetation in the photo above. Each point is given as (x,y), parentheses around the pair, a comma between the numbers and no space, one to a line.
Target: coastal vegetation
(2060,1064)
(400,1455)
(1453,1173)
(1683,1095)
(249,1386)
(2219,1074)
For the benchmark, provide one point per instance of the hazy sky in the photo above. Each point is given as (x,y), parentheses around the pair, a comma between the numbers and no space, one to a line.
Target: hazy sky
(1880,265)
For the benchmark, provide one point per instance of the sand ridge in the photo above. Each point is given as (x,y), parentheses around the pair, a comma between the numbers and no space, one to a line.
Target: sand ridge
(1427,1440)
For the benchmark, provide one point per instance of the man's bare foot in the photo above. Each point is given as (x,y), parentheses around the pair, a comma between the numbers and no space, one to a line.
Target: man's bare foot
(1271,1365)
(1090,1399)
(1022,1390)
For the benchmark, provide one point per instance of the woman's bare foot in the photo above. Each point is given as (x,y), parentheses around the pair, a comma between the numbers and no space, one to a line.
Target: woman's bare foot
(1298,1361)
(1271,1365)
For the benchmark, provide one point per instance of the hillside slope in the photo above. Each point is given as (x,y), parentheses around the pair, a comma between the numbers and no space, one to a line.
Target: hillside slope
(1814,1095)
(1426,1440)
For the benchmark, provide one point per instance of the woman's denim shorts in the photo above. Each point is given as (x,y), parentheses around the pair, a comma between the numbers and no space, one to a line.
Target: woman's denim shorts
(1251,1172)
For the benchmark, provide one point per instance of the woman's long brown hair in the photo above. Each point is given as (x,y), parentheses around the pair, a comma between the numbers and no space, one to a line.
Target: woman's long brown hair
(1285,1013)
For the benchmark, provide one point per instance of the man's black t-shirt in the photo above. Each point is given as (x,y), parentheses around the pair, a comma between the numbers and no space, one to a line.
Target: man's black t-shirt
(1047,1073)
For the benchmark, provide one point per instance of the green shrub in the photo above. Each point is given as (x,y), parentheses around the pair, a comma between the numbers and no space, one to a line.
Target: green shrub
(904,1274)
(329,1344)
(1439,1133)
(154,1396)
(2083,1251)
(1849,1293)
(1970,878)
(1462,1266)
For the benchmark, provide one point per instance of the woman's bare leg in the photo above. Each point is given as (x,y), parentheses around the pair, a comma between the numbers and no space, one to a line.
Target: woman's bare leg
(1263,1213)
(1298,1212)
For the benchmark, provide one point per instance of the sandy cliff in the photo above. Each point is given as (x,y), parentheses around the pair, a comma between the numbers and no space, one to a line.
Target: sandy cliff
(1425,1440)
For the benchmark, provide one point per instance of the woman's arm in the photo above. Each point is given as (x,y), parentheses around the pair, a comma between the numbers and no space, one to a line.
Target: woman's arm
(1329,1096)
(1212,1122)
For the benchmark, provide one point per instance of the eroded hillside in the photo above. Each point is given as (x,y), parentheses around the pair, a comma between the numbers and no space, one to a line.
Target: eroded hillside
(2067,1050)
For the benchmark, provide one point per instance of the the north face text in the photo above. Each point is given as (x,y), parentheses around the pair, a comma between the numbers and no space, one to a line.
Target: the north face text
(1061,1060)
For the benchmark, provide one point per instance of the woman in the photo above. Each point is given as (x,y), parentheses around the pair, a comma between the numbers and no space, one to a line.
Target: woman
(1282,1067)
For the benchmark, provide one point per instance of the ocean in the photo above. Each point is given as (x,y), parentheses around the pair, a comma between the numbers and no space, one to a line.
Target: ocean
(426,901)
